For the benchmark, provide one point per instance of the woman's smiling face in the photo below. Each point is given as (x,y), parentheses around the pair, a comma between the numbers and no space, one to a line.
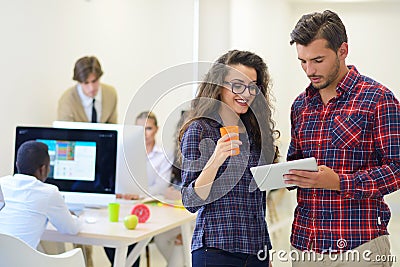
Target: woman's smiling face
(239,103)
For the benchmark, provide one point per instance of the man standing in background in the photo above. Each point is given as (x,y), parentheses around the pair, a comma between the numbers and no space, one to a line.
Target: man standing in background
(89,100)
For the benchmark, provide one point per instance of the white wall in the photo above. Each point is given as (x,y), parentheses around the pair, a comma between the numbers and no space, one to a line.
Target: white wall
(214,29)
(136,40)
(264,26)
(42,39)
(372,29)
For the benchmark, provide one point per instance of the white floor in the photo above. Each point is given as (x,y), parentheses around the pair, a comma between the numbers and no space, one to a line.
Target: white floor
(279,227)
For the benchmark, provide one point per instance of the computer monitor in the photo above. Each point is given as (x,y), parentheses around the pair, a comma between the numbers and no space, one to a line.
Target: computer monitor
(82,162)
(131,173)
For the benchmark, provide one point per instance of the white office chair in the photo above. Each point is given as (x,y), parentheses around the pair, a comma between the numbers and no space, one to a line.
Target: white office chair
(16,253)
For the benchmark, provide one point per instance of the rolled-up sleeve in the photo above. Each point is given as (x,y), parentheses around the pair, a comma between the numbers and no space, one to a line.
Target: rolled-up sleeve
(195,154)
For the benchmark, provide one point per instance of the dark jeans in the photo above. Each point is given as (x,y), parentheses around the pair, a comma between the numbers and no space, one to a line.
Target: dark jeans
(212,257)
(111,252)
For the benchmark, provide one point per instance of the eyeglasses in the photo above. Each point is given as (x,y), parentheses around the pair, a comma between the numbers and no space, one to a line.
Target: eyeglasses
(239,88)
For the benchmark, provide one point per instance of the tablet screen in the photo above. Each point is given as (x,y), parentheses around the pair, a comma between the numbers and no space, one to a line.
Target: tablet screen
(270,176)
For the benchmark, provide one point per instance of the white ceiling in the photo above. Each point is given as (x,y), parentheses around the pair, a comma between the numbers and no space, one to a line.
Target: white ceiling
(344,1)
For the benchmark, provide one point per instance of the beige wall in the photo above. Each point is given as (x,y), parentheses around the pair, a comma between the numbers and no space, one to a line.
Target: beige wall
(42,39)
(136,40)
(263,26)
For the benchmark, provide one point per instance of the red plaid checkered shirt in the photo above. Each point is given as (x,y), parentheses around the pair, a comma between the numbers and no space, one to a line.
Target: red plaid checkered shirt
(357,134)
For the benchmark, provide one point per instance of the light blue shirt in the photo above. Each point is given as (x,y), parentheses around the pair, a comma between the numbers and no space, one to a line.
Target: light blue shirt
(29,205)
(158,171)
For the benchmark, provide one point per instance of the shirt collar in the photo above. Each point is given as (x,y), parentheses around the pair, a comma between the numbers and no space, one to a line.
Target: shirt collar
(156,150)
(23,177)
(349,81)
(214,119)
(87,101)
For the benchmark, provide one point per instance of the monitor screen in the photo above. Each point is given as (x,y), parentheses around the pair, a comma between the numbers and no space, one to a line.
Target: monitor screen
(80,160)
(131,174)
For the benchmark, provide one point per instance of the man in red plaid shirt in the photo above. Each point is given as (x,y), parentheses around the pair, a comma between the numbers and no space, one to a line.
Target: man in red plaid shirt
(351,125)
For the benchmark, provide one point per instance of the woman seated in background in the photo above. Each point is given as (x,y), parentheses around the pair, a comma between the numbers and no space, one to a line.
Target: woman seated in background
(158,163)
(159,166)
(159,169)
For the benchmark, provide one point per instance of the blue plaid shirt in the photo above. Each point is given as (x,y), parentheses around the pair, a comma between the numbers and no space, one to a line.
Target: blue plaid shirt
(232,218)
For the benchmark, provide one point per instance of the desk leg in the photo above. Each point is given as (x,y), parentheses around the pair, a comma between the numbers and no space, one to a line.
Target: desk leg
(120,256)
(186,240)
(135,253)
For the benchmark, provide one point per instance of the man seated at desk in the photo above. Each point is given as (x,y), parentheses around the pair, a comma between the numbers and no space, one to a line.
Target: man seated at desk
(29,202)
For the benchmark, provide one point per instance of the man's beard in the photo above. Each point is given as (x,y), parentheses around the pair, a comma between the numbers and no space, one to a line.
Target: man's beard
(331,77)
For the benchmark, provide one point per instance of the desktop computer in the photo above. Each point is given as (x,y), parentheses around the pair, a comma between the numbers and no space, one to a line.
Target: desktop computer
(82,162)
(131,172)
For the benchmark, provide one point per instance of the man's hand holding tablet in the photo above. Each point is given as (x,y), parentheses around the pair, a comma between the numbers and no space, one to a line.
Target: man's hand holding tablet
(324,177)
(271,176)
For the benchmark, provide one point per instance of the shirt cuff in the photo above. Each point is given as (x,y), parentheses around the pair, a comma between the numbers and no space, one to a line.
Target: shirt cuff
(348,186)
(191,199)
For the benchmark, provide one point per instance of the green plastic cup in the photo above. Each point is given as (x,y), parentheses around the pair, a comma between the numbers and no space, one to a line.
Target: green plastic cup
(113,211)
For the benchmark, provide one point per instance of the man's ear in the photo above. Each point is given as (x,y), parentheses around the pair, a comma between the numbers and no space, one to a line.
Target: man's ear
(43,172)
(343,51)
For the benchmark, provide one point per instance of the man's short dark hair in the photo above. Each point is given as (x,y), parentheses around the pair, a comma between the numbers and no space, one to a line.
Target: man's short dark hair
(326,25)
(31,156)
(85,66)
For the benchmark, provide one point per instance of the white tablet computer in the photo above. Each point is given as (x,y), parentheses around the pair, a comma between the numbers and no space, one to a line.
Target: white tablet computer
(270,176)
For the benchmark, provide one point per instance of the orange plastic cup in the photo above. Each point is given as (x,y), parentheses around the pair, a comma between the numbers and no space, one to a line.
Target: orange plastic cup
(231,129)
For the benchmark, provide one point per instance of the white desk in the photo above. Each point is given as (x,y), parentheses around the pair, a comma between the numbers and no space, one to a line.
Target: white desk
(108,234)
